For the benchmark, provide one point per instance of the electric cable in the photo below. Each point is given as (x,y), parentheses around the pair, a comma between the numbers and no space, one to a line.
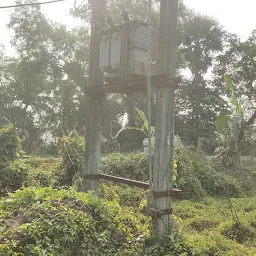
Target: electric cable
(31,4)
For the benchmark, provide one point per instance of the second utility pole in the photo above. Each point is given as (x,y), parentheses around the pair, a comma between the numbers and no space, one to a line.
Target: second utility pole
(95,112)
(164,132)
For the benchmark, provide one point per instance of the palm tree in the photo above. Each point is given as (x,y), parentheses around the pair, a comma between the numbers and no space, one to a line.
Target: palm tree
(201,39)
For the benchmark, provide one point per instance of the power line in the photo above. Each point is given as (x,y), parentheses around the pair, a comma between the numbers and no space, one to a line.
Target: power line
(21,5)
(77,8)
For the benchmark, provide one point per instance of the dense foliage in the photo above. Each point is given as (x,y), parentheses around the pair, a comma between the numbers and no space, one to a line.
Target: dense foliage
(12,175)
(197,177)
(64,222)
(130,166)
(9,144)
(60,222)
(72,150)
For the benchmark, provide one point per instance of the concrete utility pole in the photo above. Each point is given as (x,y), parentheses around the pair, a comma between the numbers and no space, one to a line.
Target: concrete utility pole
(164,133)
(94,117)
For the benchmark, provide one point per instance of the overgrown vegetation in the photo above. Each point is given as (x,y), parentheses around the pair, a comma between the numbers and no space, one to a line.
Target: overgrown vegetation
(130,166)
(197,177)
(61,222)
(12,174)
(195,174)
(41,219)
(9,144)
(47,221)
(211,227)
(72,150)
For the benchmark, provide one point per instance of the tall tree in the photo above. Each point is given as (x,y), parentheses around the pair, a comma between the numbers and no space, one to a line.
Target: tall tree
(51,72)
(201,40)
(238,61)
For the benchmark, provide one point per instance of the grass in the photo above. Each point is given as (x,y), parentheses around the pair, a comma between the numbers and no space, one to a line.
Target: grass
(219,226)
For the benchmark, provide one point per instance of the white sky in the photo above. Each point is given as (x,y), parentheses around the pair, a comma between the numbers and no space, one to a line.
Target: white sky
(236,16)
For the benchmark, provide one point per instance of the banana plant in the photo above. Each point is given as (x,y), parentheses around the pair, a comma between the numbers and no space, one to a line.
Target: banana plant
(231,119)
(143,128)
(233,115)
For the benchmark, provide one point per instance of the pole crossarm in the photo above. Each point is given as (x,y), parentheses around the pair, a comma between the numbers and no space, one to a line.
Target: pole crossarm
(132,85)
(133,183)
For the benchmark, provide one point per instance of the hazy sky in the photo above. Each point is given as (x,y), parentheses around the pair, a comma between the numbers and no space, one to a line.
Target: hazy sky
(236,16)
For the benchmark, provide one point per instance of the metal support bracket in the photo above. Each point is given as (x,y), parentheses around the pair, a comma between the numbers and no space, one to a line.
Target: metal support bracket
(167,193)
(159,214)
(92,176)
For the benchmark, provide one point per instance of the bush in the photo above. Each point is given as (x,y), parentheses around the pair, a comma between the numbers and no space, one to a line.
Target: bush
(211,243)
(130,166)
(239,232)
(130,139)
(191,187)
(72,150)
(124,195)
(65,222)
(9,144)
(174,245)
(196,176)
(12,177)
(49,149)
(43,172)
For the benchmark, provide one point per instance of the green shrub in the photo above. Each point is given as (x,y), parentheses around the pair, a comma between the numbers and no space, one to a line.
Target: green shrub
(9,144)
(197,177)
(124,195)
(211,243)
(195,174)
(174,245)
(224,185)
(239,232)
(50,149)
(47,221)
(191,187)
(42,172)
(201,223)
(130,139)
(130,166)
(72,150)
(12,177)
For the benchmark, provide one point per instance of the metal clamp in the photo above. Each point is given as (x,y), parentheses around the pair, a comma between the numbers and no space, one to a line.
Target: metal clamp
(92,176)
(167,193)
(160,213)
(160,194)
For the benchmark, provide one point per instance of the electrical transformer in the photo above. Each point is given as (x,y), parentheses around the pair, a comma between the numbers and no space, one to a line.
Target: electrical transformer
(123,49)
